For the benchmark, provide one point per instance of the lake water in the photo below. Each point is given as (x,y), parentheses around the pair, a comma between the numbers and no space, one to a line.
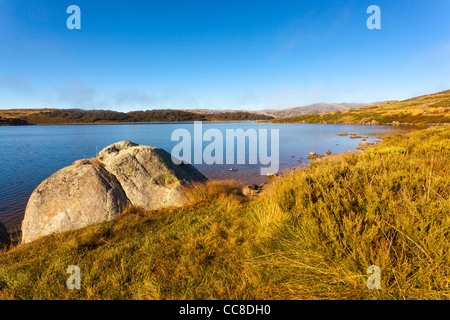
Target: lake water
(30,154)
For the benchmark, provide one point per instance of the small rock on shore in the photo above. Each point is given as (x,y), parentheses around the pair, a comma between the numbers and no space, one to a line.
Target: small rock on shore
(364,145)
(251,190)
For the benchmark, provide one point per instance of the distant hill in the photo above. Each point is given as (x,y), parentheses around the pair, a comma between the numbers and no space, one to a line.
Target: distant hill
(291,112)
(313,108)
(427,109)
(432,108)
(70,116)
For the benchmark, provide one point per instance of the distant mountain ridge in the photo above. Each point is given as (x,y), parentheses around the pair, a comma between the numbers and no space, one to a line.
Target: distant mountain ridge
(67,116)
(426,109)
(432,108)
(313,108)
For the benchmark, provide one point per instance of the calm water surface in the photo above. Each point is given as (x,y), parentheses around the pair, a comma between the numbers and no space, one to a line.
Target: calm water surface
(30,154)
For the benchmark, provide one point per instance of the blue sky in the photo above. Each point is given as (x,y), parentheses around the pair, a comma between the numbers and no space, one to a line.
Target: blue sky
(134,55)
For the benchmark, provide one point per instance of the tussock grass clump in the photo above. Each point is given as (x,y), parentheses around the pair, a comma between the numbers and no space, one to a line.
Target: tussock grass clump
(214,191)
(311,235)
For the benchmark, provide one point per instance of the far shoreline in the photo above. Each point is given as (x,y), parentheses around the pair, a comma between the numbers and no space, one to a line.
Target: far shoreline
(119,123)
(43,124)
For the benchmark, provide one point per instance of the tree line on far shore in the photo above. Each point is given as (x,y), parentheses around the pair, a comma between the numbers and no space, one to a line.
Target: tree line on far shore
(105,116)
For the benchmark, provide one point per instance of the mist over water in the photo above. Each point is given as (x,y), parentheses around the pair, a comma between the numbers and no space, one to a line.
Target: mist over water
(30,154)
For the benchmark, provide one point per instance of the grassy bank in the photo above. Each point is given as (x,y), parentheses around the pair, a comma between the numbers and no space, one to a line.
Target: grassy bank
(428,109)
(311,235)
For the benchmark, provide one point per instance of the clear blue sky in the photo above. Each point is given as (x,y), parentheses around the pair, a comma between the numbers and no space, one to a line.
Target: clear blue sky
(134,55)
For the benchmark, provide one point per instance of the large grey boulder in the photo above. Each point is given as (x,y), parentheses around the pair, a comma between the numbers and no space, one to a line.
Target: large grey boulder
(94,190)
(74,197)
(147,174)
